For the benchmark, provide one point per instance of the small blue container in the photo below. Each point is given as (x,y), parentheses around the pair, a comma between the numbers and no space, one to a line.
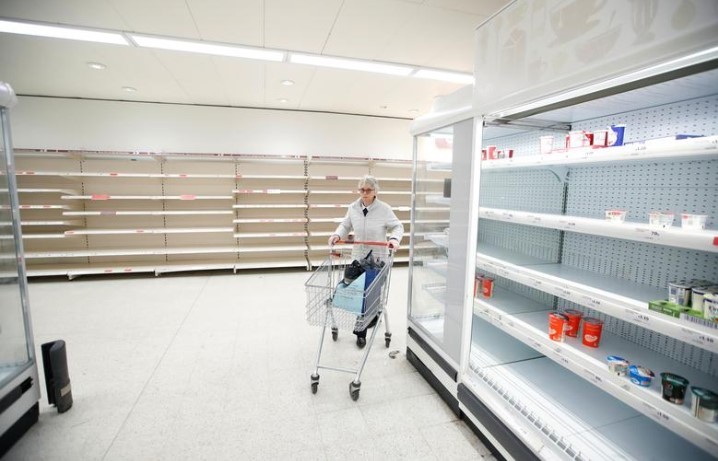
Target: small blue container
(615,136)
(640,376)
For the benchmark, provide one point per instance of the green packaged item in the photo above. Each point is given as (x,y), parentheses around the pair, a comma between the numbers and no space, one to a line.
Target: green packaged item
(667,308)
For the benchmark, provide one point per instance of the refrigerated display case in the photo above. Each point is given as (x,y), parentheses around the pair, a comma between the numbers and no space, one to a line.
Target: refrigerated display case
(565,218)
(19,386)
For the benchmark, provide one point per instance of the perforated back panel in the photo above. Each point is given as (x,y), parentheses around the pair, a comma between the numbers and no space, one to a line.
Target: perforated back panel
(695,116)
(689,186)
(508,190)
(680,187)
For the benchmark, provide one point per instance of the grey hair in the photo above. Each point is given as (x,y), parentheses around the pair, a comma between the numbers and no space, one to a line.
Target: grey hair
(371,181)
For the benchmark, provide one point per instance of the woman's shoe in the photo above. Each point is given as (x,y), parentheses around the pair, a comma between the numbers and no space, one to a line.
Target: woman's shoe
(361,342)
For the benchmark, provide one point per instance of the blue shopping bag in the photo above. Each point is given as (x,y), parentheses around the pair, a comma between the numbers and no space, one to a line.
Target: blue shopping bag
(355,297)
(350,297)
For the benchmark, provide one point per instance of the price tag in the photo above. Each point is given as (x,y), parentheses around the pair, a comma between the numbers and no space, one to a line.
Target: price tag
(593,377)
(558,350)
(659,415)
(697,337)
(564,361)
(536,344)
(536,282)
(564,293)
(590,301)
(638,317)
(510,323)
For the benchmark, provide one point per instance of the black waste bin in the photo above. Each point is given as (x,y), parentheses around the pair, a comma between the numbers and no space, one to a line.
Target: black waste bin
(57,377)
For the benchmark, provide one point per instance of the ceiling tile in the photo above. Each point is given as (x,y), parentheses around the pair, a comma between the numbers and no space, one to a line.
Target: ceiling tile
(239,22)
(160,17)
(300,26)
(76,12)
(365,27)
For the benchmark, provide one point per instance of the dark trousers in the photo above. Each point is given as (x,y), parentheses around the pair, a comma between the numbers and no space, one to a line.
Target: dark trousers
(362,334)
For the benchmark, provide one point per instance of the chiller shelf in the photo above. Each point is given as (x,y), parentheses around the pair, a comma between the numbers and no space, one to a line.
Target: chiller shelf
(552,409)
(619,298)
(527,321)
(680,150)
(703,240)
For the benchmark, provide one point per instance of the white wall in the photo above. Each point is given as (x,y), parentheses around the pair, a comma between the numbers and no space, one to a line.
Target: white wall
(55,123)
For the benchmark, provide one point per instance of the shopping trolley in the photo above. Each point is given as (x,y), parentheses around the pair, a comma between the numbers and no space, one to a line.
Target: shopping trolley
(335,303)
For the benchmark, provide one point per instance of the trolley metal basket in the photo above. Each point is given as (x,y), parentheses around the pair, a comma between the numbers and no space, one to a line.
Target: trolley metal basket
(341,304)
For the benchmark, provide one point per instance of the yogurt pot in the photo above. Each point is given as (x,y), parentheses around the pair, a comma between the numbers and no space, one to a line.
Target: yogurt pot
(574,322)
(546,144)
(557,323)
(673,387)
(710,306)
(679,292)
(640,376)
(704,405)
(697,295)
(661,219)
(592,328)
(616,215)
(693,221)
(617,365)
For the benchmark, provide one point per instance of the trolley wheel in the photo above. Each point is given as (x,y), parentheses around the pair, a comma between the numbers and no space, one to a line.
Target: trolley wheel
(335,334)
(387,339)
(354,390)
(315,383)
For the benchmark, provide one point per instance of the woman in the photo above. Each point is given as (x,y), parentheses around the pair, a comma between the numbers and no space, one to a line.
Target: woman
(371,220)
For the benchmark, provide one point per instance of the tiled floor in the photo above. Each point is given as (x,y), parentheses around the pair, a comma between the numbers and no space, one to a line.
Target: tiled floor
(216,366)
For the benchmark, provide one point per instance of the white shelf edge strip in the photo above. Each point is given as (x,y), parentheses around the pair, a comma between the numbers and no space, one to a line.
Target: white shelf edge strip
(704,240)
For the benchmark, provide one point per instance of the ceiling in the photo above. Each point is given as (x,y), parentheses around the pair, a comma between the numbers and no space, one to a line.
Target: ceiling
(429,33)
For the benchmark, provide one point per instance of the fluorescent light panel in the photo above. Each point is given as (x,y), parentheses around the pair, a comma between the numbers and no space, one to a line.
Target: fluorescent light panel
(350,64)
(70,33)
(207,48)
(444,76)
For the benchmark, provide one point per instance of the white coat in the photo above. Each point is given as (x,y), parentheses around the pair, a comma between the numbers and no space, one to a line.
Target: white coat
(379,222)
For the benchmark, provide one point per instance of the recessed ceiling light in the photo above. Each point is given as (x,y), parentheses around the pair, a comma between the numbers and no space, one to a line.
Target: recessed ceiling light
(129,89)
(283,100)
(414,111)
(382,107)
(287,82)
(70,33)
(96,65)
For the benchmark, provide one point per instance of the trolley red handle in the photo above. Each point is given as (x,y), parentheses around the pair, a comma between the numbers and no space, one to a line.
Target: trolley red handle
(361,242)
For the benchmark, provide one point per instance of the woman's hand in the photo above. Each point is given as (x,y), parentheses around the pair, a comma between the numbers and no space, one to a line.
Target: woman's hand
(333,239)
(393,244)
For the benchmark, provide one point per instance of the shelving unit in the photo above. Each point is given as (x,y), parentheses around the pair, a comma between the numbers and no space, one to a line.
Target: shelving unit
(543,239)
(121,212)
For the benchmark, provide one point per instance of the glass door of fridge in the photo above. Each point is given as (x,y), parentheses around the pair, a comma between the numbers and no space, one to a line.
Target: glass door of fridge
(16,347)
